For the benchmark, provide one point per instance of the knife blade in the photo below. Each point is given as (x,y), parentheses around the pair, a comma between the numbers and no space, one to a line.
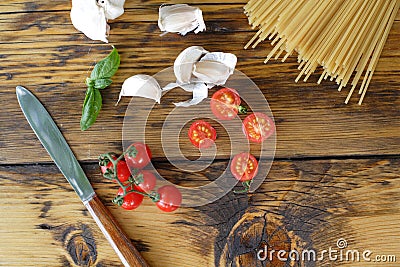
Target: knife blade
(55,144)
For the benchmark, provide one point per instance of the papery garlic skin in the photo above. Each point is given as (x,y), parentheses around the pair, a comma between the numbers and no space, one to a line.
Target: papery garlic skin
(215,68)
(227,59)
(180,18)
(196,70)
(112,8)
(211,73)
(184,63)
(90,16)
(200,92)
(141,85)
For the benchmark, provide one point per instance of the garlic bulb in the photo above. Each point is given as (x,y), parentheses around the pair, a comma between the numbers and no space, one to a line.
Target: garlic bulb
(180,18)
(141,85)
(196,70)
(184,63)
(90,16)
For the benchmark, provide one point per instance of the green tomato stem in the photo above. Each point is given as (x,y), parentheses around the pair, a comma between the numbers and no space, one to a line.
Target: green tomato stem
(246,185)
(134,179)
(242,109)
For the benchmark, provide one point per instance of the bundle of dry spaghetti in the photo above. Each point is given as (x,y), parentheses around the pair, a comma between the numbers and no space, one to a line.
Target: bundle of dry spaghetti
(345,37)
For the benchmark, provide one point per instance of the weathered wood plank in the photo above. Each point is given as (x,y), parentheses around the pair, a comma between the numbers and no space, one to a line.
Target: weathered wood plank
(311,120)
(21,6)
(302,205)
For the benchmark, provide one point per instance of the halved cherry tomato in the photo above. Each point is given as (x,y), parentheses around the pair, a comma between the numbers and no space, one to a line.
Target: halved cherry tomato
(148,181)
(257,127)
(202,134)
(225,103)
(122,169)
(244,166)
(131,200)
(142,158)
(170,198)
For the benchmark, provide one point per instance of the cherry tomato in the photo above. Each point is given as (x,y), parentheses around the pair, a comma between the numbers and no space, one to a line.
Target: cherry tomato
(148,183)
(244,166)
(225,103)
(170,198)
(202,134)
(257,127)
(131,200)
(122,169)
(142,158)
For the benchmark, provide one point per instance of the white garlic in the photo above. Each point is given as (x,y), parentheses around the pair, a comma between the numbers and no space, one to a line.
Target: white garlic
(180,18)
(112,8)
(196,70)
(200,92)
(227,59)
(90,16)
(183,65)
(141,85)
(215,68)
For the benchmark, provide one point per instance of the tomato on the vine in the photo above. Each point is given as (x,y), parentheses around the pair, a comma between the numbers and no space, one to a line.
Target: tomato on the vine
(244,166)
(257,127)
(225,103)
(147,183)
(202,134)
(170,198)
(142,158)
(132,200)
(122,169)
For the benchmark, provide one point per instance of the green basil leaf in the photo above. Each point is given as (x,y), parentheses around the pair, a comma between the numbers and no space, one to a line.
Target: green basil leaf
(102,83)
(91,108)
(89,82)
(106,67)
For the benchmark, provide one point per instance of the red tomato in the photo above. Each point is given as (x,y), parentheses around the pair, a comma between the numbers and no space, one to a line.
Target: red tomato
(257,127)
(225,103)
(122,169)
(148,183)
(170,198)
(131,200)
(202,134)
(142,158)
(244,166)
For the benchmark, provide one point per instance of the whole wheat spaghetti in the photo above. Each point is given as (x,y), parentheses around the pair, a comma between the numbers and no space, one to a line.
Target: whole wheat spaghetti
(345,37)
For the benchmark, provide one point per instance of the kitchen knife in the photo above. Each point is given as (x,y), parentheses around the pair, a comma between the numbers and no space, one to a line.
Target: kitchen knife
(53,141)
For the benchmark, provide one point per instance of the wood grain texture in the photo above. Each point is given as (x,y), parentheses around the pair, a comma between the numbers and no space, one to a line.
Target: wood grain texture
(127,253)
(335,174)
(312,120)
(310,203)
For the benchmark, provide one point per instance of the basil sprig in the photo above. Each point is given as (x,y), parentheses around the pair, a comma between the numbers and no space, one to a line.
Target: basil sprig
(99,79)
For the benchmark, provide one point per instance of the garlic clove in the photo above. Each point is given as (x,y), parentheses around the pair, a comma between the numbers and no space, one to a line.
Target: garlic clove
(89,18)
(112,8)
(227,59)
(180,18)
(141,85)
(200,92)
(215,68)
(212,73)
(184,63)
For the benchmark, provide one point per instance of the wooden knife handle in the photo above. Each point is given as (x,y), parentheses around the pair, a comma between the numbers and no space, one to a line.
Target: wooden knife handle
(112,231)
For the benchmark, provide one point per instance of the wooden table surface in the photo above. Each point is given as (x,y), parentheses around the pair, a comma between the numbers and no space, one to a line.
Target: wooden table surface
(336,173)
